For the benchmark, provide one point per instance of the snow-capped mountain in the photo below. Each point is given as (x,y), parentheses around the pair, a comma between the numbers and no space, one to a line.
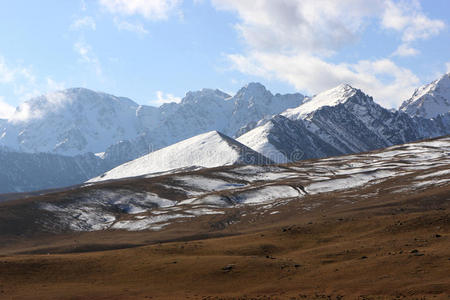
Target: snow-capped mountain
(429,100)
(198,112)
(253,103)
(211,149)
(76,121)
(71,122)
(340,121)
(281,127)
(354,122)
(209,110)
(332,97)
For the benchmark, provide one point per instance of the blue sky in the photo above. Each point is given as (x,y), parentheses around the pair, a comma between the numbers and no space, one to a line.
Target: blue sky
(154,51)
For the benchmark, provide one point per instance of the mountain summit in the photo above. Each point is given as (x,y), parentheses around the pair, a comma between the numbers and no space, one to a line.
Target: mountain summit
(71,122)
(211,149)
(429,100)
(78,120)
(332,97)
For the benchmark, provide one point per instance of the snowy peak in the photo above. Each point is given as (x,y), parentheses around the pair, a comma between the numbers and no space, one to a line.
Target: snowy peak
(340,94)
(253,90)
(76,99)
(211,149)
(429,100)
(71,122)
(254,102)
(194,97)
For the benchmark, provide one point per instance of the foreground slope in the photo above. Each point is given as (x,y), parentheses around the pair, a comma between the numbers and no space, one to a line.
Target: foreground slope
(211,149)
(367,226)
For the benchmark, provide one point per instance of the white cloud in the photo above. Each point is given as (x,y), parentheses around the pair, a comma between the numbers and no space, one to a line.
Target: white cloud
(6,75)
(19,80)
(447,66)
(87,56)
(407,17)
(127,26)
(9,74)
(52,85)
(162,98)
(314,75)
(405,50)
(23,84)
(293,41)
(6,110)
(150,9)
(85,22)
(307,25)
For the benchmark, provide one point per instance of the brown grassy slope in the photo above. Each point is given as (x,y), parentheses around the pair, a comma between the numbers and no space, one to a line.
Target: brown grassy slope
(366,249)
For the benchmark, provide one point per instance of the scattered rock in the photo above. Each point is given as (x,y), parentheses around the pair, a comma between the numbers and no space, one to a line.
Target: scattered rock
(228,268)
(415,251)
(438,235)
(364,257)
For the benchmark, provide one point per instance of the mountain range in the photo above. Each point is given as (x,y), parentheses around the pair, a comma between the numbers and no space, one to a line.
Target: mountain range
(94,132)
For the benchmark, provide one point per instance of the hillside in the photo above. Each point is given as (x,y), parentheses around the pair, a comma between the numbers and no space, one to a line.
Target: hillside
(294,231)
(211,149)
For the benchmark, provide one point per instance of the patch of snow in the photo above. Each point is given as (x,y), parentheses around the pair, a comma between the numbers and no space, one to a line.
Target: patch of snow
(349,182)
(207,184)
(267,194)
(147,223)
(434,174)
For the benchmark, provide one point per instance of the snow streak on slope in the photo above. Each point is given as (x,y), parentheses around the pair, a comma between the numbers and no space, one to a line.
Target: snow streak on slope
(207,150)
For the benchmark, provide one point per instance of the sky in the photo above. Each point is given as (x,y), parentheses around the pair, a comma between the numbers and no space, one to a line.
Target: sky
(154,51)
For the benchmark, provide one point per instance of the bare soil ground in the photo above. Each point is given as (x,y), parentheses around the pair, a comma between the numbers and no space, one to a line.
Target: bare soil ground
(390,246)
